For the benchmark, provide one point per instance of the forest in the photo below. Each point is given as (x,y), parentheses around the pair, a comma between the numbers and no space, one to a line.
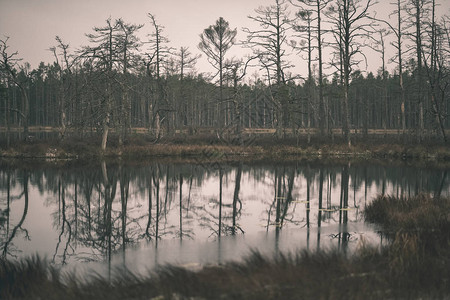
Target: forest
(120,83)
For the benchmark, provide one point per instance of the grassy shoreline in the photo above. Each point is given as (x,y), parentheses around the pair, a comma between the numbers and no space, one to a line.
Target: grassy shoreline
(211,148)
(414,265)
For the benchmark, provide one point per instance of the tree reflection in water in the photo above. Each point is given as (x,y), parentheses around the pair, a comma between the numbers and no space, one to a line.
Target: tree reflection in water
(101,210)
(7,244)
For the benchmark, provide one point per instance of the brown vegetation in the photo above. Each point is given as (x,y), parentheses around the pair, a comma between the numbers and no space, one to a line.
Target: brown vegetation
(210,147)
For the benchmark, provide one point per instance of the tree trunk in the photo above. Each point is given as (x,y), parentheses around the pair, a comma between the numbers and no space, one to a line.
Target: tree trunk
(323,115)
(105,132)
(419,70)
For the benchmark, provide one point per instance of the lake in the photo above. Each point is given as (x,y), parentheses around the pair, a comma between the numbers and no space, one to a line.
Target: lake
(144,214)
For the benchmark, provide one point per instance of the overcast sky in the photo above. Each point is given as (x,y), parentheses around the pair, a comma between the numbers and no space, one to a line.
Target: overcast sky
(33,24)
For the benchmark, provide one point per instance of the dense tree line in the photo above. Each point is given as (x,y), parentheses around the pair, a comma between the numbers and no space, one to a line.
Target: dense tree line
(119,82)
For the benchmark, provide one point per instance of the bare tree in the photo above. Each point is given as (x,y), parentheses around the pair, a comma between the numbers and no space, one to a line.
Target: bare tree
(159,53)
(128,44)
(352,22)
(398,45)
(65,62)
(304,33)
(417,11)
(318,6)
(236,71)
(398,31)
(383,33)
(434,62)
(185,61)
(104,56)
(9,63)
(269,43)
(158,46)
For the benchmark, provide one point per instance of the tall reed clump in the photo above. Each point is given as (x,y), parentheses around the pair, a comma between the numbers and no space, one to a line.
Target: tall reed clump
(36,278)
(26,278)
(418,213)
(418,229)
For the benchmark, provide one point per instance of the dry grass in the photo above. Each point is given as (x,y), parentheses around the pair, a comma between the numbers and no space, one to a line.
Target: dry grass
(210,146)
(419,231)
(304,275)
(415,214)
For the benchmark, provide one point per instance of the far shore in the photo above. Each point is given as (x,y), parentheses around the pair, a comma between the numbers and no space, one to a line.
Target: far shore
(212,148)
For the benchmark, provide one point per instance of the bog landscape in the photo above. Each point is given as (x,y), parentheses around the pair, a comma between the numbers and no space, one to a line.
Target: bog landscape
(127,172)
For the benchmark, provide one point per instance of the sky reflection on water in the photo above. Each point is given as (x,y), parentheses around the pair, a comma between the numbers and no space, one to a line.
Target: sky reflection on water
(156,213)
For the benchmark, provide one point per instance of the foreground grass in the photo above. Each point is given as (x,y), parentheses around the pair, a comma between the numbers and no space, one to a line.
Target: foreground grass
(415,264)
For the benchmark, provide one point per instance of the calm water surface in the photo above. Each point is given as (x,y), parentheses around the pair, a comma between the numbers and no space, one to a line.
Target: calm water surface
(148,214)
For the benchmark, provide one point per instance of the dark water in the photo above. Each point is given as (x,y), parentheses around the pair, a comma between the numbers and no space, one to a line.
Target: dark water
(147,214)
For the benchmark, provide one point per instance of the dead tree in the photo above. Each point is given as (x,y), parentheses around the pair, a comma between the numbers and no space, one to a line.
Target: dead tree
(65,62)
(352,21)
(270,44)
(9,65)
(158,54)
(316,7)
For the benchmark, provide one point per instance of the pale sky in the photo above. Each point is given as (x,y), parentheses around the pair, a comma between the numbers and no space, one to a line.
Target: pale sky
(32,25)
